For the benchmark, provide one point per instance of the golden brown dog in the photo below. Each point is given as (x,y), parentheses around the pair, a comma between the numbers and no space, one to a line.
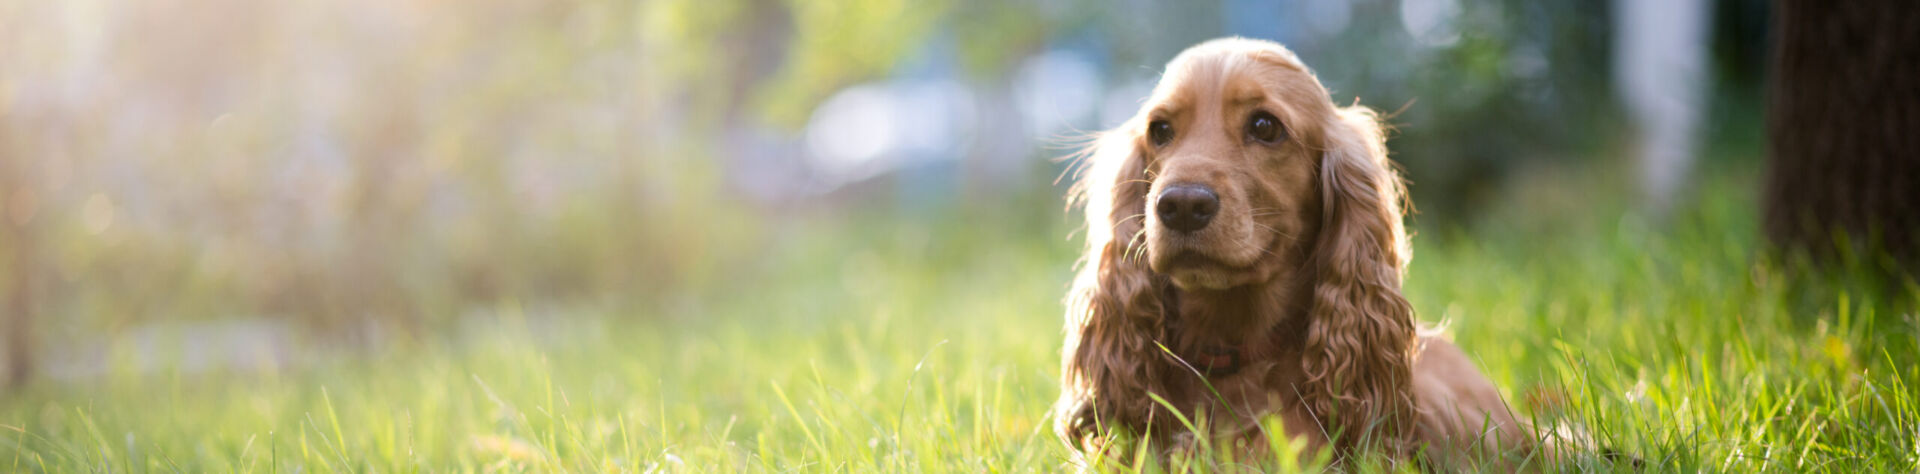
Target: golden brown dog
(1244,258)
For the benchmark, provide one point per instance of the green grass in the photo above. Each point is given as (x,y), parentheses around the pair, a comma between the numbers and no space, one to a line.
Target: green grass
(878,345)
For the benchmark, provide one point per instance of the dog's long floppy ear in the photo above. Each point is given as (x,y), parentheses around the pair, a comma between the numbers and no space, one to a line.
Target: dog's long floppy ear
(1111,360)
(1361,343)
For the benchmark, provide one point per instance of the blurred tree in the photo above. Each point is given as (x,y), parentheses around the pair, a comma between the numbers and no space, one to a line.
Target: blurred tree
(17,252)
(1844,128)
(382,208)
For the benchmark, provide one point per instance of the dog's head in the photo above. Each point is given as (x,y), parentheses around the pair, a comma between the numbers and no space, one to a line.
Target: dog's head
(1236,172)
(1237,147)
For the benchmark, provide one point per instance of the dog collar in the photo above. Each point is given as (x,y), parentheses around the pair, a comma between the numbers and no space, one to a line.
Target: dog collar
(1211,360)
(1216,360)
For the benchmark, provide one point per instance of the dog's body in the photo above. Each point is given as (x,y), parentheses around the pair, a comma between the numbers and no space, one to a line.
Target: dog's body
(1244,257)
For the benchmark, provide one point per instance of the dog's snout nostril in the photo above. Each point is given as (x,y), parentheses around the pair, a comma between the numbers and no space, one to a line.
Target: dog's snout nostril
(1187,207)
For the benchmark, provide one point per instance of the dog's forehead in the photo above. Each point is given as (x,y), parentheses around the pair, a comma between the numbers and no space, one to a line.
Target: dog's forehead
(1229,55)
(1214,64)
(1241,48)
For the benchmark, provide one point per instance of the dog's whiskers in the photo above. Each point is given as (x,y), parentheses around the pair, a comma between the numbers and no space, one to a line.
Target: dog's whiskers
(1263,250)
(1265,211)
(1134,251)
(1273,230)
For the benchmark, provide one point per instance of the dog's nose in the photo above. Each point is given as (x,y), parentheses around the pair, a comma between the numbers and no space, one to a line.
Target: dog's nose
(1187,207)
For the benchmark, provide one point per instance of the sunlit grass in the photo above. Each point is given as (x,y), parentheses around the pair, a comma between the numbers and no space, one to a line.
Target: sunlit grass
(878,345)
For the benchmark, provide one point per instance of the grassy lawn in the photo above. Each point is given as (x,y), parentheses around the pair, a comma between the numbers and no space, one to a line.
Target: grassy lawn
(909,346)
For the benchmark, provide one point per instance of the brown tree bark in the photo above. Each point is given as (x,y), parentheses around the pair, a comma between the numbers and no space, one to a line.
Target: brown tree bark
(1844,128)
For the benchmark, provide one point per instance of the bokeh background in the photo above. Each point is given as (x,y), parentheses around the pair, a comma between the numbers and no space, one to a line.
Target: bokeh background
(793,235)
(266,175)
(402,235)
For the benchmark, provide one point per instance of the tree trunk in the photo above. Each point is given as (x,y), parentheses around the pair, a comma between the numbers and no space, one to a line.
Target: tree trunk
(19,308)
(1844,128)
(18,209)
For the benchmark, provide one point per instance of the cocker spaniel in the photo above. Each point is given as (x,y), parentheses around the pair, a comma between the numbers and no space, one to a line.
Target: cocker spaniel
(1244,257)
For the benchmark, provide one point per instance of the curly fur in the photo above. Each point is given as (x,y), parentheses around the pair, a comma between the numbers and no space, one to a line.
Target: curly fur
(1345,346)
(1360,349)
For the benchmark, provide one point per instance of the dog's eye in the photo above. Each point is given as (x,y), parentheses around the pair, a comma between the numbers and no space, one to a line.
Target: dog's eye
(1263,127)
(1160,132)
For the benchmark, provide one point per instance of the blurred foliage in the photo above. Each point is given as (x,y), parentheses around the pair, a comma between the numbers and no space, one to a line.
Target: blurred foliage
(1518,84)
(342,164)
(837,43)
